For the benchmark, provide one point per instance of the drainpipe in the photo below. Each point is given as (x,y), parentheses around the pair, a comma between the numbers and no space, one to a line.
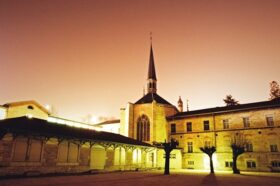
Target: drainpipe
(214,124)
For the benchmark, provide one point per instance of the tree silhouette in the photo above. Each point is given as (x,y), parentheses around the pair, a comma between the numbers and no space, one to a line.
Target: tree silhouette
(229,100)
(238,145)
(209,151)
(168,147)
(274,90)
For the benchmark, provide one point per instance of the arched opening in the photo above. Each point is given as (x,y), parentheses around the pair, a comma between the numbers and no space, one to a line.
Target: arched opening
(143,128)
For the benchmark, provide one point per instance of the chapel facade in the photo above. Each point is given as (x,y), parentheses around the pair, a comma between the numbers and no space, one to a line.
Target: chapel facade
(152,119)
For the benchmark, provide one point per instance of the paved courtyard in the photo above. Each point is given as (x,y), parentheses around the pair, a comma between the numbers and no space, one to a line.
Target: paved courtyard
(151,178)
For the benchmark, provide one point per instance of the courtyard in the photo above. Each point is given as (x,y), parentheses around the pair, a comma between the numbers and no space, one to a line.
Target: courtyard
(151,178)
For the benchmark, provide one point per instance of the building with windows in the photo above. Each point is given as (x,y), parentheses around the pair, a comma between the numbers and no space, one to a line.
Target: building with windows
(153,119)
(32,140)
(255,123)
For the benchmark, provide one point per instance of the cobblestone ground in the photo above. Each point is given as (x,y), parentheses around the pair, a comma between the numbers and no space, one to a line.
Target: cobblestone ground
(152,178)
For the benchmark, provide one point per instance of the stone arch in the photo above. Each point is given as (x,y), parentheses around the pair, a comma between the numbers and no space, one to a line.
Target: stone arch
(143,128)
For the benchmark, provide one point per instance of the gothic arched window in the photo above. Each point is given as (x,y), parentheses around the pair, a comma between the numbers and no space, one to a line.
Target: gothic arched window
(143,128)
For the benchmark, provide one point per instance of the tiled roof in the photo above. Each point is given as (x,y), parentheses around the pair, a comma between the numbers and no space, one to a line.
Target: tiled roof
(39,127)
(233,108)
(148,98)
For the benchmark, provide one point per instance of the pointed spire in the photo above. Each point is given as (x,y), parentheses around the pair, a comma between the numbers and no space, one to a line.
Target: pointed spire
(152,78)
(152,69)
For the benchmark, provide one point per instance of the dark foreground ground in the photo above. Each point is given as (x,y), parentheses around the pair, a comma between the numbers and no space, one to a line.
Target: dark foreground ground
(151,178)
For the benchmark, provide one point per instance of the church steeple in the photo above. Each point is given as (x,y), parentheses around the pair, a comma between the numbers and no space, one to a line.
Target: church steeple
(152,78)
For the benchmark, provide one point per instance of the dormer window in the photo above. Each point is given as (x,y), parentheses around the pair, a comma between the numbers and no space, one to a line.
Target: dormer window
(30,107)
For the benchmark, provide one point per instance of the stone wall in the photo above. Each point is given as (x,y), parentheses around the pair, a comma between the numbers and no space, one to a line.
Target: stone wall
(50,151)
(258,134)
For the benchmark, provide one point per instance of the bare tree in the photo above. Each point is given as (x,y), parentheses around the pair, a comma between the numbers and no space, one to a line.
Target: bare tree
(229,100)
(274,90)
(168,147)
(209,151)
(238,144)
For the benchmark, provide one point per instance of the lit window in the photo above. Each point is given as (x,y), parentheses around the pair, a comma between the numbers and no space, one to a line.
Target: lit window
(206,125)
(251,164)
(173,128)
(246,122)
(273,148)
(190,147)
(226,124)
(269,121)
(189,126)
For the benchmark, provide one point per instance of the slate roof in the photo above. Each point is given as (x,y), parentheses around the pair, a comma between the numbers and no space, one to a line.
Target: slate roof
(39,127)
(234,108)
(148,98)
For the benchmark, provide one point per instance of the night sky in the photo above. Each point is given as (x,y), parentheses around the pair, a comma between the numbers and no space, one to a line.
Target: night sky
(91,56)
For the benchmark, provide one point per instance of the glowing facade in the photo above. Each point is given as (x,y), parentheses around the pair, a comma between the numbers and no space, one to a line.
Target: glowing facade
(153,119)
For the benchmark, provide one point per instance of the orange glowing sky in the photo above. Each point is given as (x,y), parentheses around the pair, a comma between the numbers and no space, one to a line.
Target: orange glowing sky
(91,56)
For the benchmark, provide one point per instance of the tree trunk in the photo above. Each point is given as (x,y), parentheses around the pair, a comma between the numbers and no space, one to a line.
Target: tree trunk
(211,165)
(166,168)
(234,165)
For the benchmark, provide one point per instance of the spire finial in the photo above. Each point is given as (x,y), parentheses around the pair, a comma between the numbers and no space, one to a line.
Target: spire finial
(151,37)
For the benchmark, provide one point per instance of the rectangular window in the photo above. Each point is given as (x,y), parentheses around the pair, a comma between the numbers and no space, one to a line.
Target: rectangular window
(249,147)
(190,162)
(190,147)
(246,122)
(228,164)
(226,124)
(269,121)
(173,128)
(251,164)
(189,126)
(206,125)
(273,148)
(275,163)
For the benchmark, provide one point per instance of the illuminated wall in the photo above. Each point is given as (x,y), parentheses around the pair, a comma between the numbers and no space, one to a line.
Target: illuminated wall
(3,112)
(156,114)
(253,125)
(29,109)
(113,128)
